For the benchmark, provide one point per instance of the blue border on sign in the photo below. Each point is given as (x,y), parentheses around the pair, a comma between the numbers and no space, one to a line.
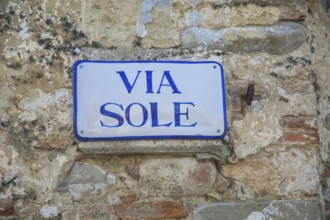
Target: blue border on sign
(150,137)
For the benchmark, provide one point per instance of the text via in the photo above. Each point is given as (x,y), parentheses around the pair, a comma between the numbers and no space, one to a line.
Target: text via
(121,114)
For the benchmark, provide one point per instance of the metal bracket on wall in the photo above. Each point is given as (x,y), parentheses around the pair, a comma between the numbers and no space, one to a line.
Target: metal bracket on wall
(249,94)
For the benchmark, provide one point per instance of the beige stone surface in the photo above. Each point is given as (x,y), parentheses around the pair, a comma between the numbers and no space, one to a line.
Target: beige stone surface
(258,129)
(9,170)
(162,32)
(286,91)
(275,209)
(110,23)
(250,14)
(293,172)
(176,177)
(38,106)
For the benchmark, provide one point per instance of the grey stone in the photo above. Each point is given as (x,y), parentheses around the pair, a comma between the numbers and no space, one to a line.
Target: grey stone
(47,212)
(82,173)
(281,38)
(215,148)
(275,210)
(86,181)
(111,180)
(327,122)
(79,192)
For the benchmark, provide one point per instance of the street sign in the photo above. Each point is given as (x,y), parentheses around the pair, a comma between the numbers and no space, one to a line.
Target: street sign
(116,100)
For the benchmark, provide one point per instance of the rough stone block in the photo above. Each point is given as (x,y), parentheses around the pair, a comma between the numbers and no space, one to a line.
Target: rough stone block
(295,86)
(162,32)
(261,124)
(6,203)
(9,171)
(327,210)
(82,173)
(292,172)
(86,212)
(7,212)
(215,148)
(80,192)
(299,139)
(152,210)
(86,181)
(295,16)
(109,23)
(176,177)
(37,108)
(301,123)
(160,22)
(48,212)
(281,38)
(301,131)
(251,14)
(128,199)
(275,210)
(264,120)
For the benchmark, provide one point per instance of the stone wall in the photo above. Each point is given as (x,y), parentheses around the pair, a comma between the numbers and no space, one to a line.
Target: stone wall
(272,164)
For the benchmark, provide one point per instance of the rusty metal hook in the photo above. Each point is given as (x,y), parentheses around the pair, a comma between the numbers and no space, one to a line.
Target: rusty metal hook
(249,94)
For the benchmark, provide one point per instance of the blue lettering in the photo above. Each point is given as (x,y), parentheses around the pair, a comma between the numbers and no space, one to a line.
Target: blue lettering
(128,115)
(170,83)
(149,82)
(181,110)
(112,115)
(127,84)
(154,115)
(178,113)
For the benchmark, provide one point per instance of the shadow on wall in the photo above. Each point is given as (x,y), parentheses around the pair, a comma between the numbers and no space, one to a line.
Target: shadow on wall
(325,5)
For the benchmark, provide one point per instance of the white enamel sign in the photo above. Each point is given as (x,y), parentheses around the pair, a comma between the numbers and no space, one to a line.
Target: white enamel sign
(148,100)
